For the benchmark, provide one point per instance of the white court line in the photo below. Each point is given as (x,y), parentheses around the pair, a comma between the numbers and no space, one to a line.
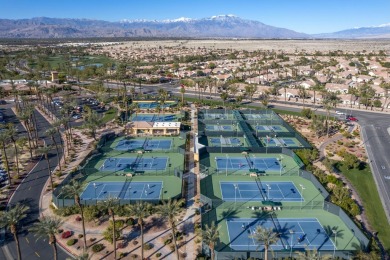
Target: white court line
(326,233)
(253,240)
(143,191)
(280,190)
(100,192)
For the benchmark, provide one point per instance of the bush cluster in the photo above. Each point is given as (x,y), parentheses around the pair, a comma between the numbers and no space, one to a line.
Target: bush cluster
(71,242)
(97,248)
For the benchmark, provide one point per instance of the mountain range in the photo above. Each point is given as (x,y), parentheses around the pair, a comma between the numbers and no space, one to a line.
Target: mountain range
(221,26)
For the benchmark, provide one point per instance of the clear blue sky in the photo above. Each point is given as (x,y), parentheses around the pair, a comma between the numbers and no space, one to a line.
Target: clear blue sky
(308,16)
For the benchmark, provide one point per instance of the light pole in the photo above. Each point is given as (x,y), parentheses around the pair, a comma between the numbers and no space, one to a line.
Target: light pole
(227,161)
(334,231)
(94,186)
(268,188)
(235,194)
(281,165)
(302,188)
(220,141)
(291,246)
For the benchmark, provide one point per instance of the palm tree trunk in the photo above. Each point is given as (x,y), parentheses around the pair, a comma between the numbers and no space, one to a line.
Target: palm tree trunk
(265,252)
(114,235)
(17,245)
(59,158)
(48,168)
(83,224)
(16,156)
(174,239)
(314,94)
(6,163)
(54,245)
(141,226)
(384,103)
(212,251)
(34,120)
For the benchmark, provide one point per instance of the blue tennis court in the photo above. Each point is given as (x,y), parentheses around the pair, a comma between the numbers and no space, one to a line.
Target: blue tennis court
(232,141)
(138,163)
(154,118)
(122,190)
(219,127)
(288,141)
(272,128)
(146,144)
(246,163)
(310,232)
(152,105)
(252,191)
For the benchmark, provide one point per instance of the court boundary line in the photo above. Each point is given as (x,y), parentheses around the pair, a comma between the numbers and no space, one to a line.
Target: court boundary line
(315,220)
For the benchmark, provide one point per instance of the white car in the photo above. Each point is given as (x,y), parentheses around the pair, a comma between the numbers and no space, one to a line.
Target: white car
(340,113)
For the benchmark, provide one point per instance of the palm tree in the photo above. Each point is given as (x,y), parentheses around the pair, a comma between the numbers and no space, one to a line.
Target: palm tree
(52,132)
(210,236)
(48,226)
(312,255)
(109,205)
(45,150)
(182,91)
(11,219)
(24,117)
(75,188)
(386,87)
(84,255)
(302,94)
(265,237)
(170,210)
(140,210)
(224,96)
(3,143)
(13,135)
(92,122)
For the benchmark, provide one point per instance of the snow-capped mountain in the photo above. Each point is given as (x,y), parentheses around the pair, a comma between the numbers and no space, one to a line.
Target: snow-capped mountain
(380,31)
(223,26)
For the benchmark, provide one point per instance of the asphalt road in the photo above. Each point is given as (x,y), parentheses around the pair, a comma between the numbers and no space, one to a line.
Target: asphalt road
(29,192)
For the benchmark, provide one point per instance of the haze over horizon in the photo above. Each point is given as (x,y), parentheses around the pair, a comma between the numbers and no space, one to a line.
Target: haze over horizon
(304,16)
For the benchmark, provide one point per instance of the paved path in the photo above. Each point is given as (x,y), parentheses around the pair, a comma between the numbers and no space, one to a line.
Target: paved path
(29,191)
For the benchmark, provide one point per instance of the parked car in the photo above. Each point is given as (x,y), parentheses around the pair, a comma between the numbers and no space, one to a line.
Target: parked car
(340,113)
(351,118)
(76,116)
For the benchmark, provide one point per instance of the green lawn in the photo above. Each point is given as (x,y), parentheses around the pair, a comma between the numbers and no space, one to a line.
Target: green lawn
(109,115)
(364,183)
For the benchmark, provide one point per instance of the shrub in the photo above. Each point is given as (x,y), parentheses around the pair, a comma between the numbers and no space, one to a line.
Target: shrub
(168,241)
(135,242)
(80,236)
(122,254)
(92,239)
(78,218)
(158,254)
(66,234)
(60,231)
(130,222)
(71,242)
(148,246)
(97,248)
(134,256)
(108,232)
